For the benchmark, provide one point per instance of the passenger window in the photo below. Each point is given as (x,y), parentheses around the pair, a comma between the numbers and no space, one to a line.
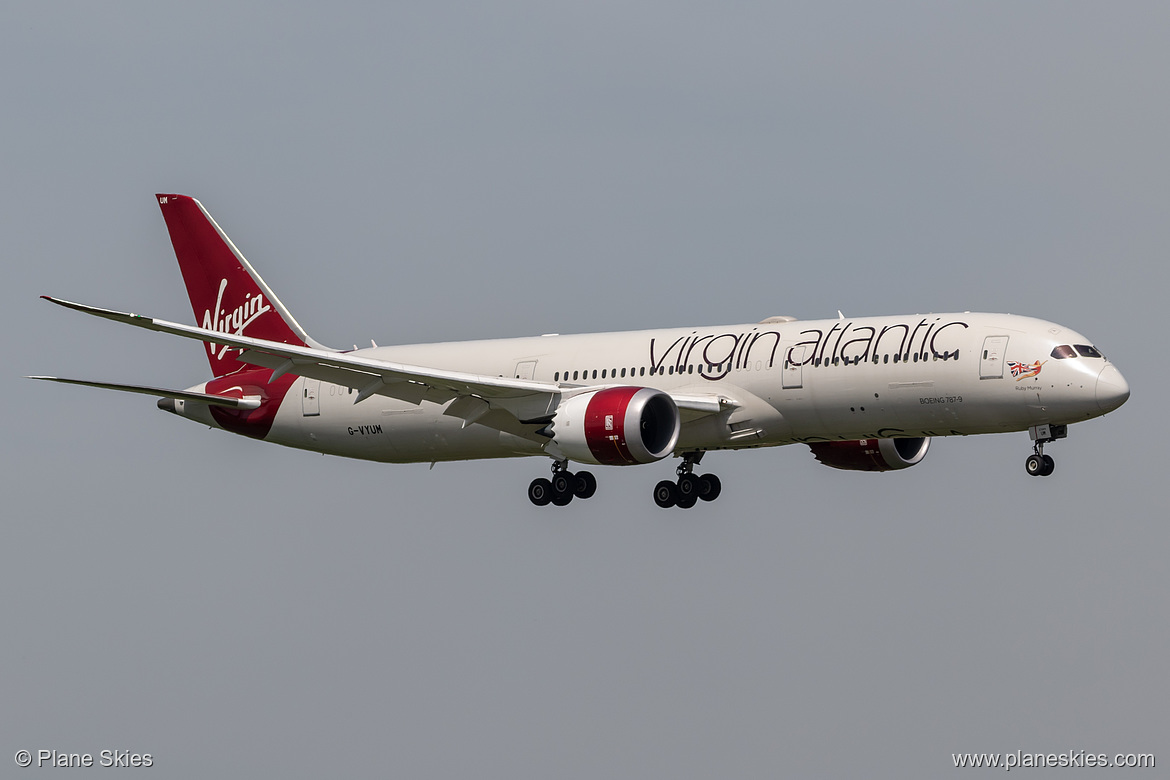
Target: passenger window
(1089,352)
(643,371)
(574,375)
(557,376)
(623,373)
(595,373)
(886,358)
(603,373)
(1063,351)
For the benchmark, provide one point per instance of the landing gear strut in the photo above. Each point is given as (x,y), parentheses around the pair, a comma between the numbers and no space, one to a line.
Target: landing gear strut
(563,487)
(689,488)
(1038,464)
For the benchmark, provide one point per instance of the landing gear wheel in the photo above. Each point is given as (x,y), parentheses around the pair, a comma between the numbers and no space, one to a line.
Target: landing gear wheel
(540,491)
(688,487)
(1049,466)
(686,502)
(709,487)
(1035,465)
(563,482)
(666,494)
(586,485)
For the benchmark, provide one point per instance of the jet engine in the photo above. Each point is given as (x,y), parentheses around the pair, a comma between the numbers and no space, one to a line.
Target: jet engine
(617,426)
(871,454)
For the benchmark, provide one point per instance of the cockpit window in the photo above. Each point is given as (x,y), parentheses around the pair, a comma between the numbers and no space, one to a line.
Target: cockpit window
(1087,351)
(1064,351)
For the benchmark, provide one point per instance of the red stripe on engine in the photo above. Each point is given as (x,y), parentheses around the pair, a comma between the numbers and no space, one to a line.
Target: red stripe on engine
(608,442)
(853,455)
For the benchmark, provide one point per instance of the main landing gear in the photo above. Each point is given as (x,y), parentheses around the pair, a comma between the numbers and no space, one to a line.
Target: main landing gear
(563,487)
(1038,464)
(689,488)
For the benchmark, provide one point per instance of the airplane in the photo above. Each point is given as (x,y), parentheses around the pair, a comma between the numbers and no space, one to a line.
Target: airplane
(864,394)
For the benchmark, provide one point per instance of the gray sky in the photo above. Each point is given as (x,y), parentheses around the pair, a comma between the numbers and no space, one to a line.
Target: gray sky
(449,171)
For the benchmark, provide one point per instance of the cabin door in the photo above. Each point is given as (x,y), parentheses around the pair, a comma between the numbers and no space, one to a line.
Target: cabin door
(794,367)
(991,361)
(310,400)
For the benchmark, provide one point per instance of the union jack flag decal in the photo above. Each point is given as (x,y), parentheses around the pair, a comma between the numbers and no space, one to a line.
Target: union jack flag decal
(1025,370)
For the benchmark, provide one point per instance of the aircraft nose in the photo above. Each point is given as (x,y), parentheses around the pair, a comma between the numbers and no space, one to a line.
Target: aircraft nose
(1112,389)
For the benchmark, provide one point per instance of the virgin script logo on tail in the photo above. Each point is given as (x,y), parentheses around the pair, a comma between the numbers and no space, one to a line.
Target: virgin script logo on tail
(236,320)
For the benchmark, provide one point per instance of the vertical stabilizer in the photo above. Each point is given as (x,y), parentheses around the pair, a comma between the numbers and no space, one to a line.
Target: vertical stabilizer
(227,295)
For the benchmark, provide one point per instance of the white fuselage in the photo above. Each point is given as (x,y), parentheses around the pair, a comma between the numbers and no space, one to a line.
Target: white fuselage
(796,381)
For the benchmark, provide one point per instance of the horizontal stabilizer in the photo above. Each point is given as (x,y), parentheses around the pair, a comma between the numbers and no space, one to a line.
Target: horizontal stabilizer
(160,392)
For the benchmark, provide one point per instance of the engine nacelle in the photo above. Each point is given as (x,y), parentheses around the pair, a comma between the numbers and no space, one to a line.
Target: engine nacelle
(871,454)
(617,426)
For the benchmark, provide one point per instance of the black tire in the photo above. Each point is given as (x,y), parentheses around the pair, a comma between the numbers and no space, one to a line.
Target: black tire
(1049,466)
(1034,465)
(586,485)
(540,491)
(686,502)
(688,486)
(563,482)
(709,487)
(666,494)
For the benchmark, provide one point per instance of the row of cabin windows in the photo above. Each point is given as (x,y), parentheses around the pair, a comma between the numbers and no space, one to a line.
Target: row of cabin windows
(690,369)
(898,358)
(612,373)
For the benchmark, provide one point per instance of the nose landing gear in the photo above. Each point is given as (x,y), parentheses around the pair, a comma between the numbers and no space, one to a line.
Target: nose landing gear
(563,487)
(1038,464)
(689,488)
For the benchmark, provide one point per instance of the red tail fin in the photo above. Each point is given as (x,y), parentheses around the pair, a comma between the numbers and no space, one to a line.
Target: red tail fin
(227,294)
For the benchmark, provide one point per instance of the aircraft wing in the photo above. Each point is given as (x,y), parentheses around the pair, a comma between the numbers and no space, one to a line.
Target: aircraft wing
(523,399)
(518,406)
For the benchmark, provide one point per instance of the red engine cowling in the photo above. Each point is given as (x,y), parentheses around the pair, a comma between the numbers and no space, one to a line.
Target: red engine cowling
(871,454)
(617,426)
